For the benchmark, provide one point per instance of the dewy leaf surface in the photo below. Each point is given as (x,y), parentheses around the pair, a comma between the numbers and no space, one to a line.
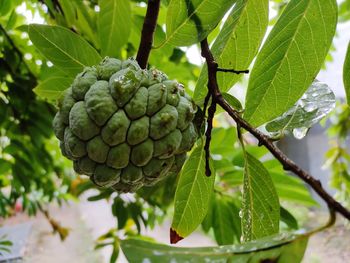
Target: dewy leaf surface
(114,26)
(290,58)
(316,103)
(346,74)
(237,43)
(190,21)
(65,49)
(52,88)
(286,247)
(192,195)
(260,205)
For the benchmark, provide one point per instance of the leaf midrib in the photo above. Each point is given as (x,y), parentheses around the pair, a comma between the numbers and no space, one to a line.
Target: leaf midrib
(187,200)
(292,39)
(112,27)
(234,27)
(182,24)
(60,49)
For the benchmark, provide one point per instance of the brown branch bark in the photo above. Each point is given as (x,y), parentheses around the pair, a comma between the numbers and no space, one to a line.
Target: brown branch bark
(148,29)
(263,139)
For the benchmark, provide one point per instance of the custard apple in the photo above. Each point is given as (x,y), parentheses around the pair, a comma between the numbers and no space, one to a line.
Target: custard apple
(125,127)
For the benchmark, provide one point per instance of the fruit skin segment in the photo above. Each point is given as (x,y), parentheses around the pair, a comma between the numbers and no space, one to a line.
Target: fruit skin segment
(125,127)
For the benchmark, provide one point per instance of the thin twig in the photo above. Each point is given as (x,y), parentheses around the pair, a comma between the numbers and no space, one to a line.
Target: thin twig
(246,71)
(262,138)
(211,113)
(148,29)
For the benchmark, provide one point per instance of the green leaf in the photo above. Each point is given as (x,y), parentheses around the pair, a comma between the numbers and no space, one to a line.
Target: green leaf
(346,74)
(290,189)
(286,248)
(52,88)
(190,21)
(5,7)
(226,222)
(315,104)
(260,206)
(233,101)
(115,252)
(192,195)
(86,22)
(290,59)
(237,43)
(114,26)
(223,141)
(288,218)
(65,49)
(69,11)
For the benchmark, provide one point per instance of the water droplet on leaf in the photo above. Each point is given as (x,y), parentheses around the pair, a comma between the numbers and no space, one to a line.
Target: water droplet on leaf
(300,133)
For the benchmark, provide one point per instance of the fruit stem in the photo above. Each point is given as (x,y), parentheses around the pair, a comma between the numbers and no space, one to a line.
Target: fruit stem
(148,29)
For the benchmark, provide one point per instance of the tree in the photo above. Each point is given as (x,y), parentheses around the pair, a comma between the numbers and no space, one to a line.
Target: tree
(238,188)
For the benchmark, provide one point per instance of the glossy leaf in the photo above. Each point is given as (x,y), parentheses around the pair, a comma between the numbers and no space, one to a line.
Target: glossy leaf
(65,49)
(114,25)
(192,195)
(190,21)
(286,248)
(290,59)
(260,205)
(237,43)
(315,104)
(346,74)
(52,88)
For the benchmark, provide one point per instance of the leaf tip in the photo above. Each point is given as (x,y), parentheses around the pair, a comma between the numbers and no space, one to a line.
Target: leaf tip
(174,236)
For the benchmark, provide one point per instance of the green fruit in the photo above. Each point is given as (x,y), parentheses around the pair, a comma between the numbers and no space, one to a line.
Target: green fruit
(58,126)
(99,103)
(118,156)
(156,98)
(167,146)
(131,174)
(123,85)
(137,106)
(108,67)
(66,105)
(74,147)
(125,127)
(114,132)
(82,83)
(86,165)
(163,122)
(189,136)
(80,122)
(142,153)
(138,131)
(106,176)
(186,113)
(97,149)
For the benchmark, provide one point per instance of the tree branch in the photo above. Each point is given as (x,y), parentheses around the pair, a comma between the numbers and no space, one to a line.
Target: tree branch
(246,71)
(263,139)
(211,113)
(148,29)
